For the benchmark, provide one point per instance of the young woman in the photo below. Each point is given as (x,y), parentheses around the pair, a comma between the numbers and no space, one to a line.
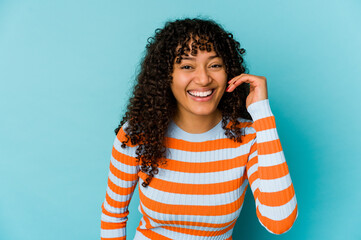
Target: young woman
(196,131)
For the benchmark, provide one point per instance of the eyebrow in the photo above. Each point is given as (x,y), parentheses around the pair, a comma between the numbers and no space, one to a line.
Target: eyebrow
(193,58)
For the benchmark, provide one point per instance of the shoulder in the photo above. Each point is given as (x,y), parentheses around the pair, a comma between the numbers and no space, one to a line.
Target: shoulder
(122,136)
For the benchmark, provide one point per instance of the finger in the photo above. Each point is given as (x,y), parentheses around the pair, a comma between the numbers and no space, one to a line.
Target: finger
(242,78)
(238,81)
(236,78)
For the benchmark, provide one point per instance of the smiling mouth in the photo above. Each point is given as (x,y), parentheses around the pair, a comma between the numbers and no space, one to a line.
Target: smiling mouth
(199,94)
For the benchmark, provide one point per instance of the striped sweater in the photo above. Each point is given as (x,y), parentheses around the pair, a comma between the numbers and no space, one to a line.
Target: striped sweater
(199,193)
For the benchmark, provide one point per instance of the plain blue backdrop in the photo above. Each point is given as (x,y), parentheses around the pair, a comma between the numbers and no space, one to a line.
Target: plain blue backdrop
(66,71)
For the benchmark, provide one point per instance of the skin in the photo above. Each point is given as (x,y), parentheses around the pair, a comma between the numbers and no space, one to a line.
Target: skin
(203,72)
(258,87)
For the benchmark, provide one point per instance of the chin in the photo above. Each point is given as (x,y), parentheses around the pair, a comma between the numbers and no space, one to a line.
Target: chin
(205,112)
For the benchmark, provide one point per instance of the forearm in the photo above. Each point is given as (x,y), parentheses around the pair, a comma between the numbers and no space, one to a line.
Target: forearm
(275,198)
(122,180)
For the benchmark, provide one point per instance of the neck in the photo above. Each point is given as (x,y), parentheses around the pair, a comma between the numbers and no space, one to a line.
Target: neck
(197,124)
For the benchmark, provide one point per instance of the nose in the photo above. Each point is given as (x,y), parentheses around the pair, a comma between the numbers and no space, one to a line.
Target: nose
(202,76)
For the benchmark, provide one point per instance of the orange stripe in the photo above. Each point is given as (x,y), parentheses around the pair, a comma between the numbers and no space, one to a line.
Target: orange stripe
(196,232)
(112,225)
(117,238)
(123,158)
(116,215)
(114,203)
(273,172)
(218,210)
(278,227)
(241,124)
(143,175)
(275,199)
(145,217)
(206,167)
(120,190)
(187,223)
(269,147)
(197,189)
(264,123)
(123,175)
(256,193)
(253,177)
(252,161)
(152,235)
(205,146)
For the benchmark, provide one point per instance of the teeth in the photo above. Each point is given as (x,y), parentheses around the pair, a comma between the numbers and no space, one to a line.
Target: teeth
(200,94)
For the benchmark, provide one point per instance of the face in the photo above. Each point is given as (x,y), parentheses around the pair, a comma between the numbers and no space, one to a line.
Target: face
(199,83)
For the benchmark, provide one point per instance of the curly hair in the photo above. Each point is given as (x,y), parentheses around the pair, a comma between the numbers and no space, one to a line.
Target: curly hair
(152,105)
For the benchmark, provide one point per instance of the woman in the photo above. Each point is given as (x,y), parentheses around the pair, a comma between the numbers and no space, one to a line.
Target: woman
(196,131)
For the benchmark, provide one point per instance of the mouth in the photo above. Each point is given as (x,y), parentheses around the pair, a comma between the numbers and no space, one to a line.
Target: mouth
(201,96)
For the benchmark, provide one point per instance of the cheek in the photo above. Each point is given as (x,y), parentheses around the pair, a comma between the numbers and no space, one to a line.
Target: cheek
(179,84)
(222,80)
(177,90)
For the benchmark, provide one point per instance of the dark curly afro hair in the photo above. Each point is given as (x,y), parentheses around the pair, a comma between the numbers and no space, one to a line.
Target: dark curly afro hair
(153,105)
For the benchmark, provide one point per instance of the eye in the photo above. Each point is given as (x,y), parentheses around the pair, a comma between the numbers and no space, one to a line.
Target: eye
(186,67)
(216,66)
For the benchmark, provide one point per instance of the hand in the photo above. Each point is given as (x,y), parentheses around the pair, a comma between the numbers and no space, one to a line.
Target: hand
(258,87)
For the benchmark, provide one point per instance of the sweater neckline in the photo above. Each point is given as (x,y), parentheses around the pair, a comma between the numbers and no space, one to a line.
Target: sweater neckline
(176,132)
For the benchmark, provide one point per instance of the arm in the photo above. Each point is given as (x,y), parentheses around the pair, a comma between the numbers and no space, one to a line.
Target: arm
(122,180)
(267,171)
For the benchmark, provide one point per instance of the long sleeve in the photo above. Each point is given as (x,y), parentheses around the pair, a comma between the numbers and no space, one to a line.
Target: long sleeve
(268,174)
(122,180)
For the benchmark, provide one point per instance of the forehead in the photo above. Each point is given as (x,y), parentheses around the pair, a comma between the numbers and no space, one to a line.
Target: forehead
(201,55)
(192,47)
(195,43)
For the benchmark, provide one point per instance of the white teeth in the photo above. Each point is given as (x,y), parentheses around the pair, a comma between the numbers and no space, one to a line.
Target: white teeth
(200,94)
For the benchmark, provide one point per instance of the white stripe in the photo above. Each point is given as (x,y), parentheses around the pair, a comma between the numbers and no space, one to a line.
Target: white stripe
(255,185)
(252,155)
(260,109)
(106,218)
(191,199)
(112,233)
(270,160)
(252,170)
(124,167)
(177,235)
(277,213)
(192,218)
(275,185)
(200,178)
(130,151)
(208,156)
(249,130)
(140,236)
(113,209)
(267,135)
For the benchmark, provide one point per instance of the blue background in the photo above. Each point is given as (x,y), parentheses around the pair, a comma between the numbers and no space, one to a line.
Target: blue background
(66,70)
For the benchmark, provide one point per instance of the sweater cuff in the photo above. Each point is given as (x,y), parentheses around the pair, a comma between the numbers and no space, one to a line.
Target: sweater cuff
(260,109)
(113,233)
